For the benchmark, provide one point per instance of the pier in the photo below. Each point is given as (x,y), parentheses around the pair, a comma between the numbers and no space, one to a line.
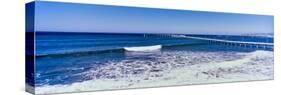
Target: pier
(243,44)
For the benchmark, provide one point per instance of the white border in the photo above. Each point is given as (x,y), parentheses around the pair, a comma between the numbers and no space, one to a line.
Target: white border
(12,46)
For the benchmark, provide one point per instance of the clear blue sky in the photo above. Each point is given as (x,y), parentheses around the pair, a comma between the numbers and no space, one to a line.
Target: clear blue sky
(71,17)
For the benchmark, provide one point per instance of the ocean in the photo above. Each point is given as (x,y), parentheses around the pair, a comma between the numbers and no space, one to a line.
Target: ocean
(68,62)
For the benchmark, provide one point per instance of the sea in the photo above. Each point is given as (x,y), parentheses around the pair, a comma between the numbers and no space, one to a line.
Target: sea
(75,61)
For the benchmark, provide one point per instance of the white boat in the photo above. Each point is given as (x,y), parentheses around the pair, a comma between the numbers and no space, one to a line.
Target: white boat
(143,48)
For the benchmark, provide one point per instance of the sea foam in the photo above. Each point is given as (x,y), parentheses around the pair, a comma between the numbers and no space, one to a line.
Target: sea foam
(173,68)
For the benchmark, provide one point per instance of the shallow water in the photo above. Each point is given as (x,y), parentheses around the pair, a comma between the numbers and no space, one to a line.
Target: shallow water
(173,68)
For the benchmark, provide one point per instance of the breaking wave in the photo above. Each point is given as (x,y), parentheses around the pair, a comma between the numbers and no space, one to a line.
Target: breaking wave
(143,48)
(120,49)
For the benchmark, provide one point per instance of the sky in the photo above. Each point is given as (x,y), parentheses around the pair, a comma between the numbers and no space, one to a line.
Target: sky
(71,17)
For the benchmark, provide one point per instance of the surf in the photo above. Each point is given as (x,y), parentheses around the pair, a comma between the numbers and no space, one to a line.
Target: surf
(215,69)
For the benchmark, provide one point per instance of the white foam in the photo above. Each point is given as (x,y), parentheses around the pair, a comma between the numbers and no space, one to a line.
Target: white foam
(174,68)
(143,48)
